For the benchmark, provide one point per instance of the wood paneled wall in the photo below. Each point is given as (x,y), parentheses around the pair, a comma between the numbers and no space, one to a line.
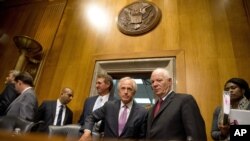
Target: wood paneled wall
(212,36)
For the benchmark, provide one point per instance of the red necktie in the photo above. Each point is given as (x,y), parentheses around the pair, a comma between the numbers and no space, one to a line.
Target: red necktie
(157,107)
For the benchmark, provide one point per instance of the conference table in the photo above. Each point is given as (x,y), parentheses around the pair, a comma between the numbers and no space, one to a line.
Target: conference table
(7,136)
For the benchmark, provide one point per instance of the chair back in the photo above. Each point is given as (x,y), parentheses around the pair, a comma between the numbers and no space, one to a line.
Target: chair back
(70,130)
(10,123)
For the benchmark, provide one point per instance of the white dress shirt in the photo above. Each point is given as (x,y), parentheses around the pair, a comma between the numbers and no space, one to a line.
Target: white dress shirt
(129,107)
(58,106)
(100,101)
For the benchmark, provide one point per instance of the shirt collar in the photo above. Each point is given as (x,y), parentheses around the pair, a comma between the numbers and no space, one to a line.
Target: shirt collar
(164,97)
(58,103)
(104,98)
(25,89)
(129,105)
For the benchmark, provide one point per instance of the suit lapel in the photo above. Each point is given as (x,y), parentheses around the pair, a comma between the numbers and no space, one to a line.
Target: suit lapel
(165,103)
(66,115)
(93,102)
(131,115)
(116,110)
(53,109)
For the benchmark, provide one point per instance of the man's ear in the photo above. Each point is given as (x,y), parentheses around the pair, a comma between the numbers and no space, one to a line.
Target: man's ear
(170,79)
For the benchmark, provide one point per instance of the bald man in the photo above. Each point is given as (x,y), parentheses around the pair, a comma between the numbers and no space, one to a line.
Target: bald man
(174,116)
(56,112)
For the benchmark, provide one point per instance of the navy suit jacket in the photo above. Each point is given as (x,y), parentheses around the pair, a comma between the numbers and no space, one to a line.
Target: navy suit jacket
(8,95)
(179,117)
(135,127)
(88,107)
(46,112)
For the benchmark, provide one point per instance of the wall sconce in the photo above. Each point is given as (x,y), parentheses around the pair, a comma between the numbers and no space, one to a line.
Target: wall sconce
(31,54)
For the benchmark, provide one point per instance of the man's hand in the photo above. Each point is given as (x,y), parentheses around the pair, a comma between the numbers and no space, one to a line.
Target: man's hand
(86,136)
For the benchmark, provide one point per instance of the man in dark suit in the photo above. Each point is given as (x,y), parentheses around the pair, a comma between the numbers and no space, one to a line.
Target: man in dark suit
(25,105)
(174,116)
(104,85)
(122,118)
(9,93)
(49,111)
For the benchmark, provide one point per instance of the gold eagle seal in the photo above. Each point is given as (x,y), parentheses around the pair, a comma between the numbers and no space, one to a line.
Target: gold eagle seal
(138,18)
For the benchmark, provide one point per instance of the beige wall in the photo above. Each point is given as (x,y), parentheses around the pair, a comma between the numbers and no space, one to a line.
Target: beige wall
(209,37)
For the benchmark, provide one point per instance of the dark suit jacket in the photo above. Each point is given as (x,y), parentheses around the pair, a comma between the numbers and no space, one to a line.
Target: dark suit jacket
(179,117)
(24,106)
(109,113)
(8,95)
(88,107)
(46,112)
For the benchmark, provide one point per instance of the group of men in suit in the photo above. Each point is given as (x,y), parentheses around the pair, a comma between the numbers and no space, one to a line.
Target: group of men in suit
(173,117)
(18,99)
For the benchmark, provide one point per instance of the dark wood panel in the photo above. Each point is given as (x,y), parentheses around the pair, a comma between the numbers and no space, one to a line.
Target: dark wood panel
(246,4)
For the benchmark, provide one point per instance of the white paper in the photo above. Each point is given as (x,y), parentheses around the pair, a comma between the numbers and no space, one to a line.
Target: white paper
(239,117)
(226,102)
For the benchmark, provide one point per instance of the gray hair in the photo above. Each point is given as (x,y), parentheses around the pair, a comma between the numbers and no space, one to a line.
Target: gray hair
(130,79)
(164,71)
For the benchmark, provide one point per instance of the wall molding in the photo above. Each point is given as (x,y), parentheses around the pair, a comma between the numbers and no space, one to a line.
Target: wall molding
(173,60)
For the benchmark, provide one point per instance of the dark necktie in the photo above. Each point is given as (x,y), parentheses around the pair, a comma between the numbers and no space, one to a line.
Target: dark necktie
(123,119)
(59,118)
(157,107)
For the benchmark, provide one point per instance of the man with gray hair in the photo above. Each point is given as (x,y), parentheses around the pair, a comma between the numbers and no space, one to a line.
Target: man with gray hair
(9,93)
(174,116)
(123,118)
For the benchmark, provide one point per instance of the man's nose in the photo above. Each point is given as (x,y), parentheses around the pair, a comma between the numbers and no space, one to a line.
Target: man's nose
(125,90)
(153,84)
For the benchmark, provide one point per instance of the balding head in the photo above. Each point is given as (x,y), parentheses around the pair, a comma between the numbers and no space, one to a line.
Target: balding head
(161,82)
(66,95)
